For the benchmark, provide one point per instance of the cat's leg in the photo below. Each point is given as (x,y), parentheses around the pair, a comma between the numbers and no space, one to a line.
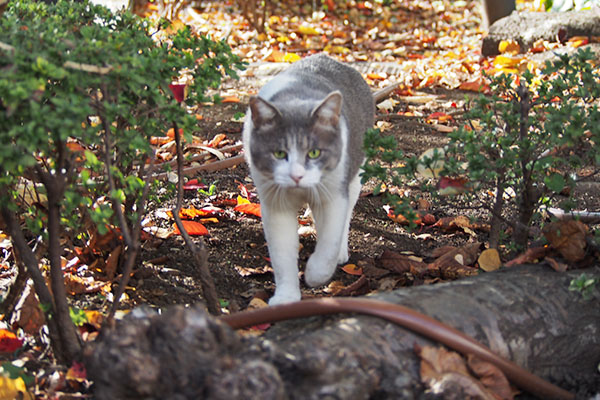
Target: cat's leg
(330,219)
(281,233)
(353,193)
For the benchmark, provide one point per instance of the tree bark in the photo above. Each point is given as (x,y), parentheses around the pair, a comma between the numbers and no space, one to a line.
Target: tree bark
(525,314)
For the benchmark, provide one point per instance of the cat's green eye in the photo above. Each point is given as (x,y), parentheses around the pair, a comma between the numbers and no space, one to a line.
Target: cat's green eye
(280,154)
(314,153)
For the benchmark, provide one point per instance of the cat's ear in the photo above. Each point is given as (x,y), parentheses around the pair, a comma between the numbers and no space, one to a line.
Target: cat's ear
(263,112)
(328,112)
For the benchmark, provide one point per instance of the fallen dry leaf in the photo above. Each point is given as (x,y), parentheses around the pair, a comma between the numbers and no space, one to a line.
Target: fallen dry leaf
(9,342)
(489,260)
(445,372)
(531,255)
(249,208)
(400,263)
(192,227)
(352,269)
(568,237)
(491,377)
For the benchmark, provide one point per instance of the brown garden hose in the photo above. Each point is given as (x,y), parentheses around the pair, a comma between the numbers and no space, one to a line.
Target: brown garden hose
(406,318)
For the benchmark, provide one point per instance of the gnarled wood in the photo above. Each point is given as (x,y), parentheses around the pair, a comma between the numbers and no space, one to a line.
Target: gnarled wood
(526,314)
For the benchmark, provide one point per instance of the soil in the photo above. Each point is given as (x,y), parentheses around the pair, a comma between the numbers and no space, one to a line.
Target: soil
(238,255)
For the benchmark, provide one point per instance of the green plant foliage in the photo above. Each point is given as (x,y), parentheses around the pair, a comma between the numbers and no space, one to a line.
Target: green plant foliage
(530,138)
(72,72)
(82,91)
(584,285)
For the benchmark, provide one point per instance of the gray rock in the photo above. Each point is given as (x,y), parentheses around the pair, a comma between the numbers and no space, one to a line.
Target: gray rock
(527,27)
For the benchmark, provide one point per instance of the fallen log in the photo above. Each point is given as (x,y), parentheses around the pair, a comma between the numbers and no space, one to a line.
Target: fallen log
(525,314)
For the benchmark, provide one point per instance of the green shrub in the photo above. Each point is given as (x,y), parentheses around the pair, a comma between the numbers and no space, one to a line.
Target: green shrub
(81,92)
(525,143)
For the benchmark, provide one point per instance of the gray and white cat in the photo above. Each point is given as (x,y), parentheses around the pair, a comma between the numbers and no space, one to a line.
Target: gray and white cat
(303,138)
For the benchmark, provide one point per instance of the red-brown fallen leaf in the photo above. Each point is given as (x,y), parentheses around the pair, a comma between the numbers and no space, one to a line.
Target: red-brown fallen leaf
(31,317)
(533,254)
(192,227)
(249,208)
(491,377)
(453,262)
(194,184)
(557,266)
(352,269)
(400,263)
(110,267)
(357,288)
(9,342)
(568,237)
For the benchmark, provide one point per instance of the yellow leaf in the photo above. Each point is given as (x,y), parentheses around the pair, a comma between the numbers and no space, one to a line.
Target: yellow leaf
(489,260)
(307,30)
(13,388)
(242,200)
(506,61)
(336,49)
(509,46)
(291,57)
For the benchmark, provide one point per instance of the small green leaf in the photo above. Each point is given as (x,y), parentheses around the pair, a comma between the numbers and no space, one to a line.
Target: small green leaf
(555,182)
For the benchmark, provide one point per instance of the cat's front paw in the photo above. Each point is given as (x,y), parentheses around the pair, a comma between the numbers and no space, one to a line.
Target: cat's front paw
(284,298)
(318,272)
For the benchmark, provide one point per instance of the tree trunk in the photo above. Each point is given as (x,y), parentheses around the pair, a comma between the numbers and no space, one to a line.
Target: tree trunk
(525,314)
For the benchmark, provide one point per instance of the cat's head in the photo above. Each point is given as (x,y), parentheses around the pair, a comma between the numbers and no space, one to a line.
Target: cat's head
(296,142)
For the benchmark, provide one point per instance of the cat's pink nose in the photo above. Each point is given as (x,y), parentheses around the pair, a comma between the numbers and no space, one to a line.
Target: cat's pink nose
(296,178)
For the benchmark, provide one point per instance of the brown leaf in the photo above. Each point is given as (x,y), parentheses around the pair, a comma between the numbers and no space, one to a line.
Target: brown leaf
(436,360)
(30,317)
(491,377)
(445,372)
(557,266)
(464,255)
(568,237)
(110,267)
(532,255)
(400,263)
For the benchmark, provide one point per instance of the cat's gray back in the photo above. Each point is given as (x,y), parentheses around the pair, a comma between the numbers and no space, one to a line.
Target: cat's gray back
(313,78)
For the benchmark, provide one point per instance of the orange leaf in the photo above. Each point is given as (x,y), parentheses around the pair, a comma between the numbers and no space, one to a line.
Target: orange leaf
(230,99)
(352,269)
(191,213)
(375,77)
(159,140)
(439,116)
(217,139)
(193,228)
(171,133)
(249,208)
